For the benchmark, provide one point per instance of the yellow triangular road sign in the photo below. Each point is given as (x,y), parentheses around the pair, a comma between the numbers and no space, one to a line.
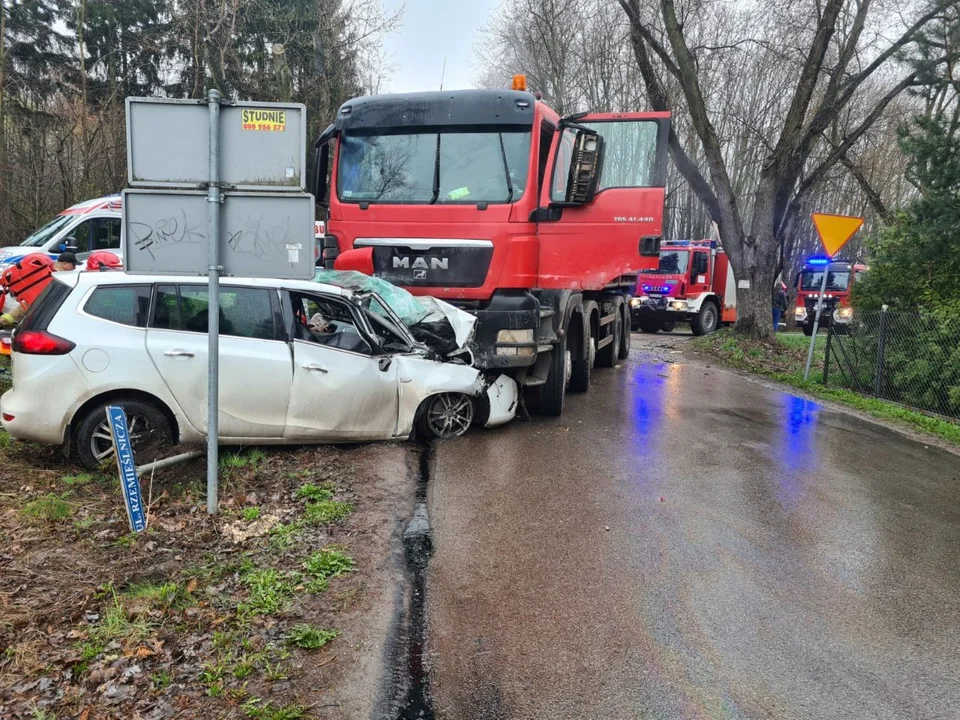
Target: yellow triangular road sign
(835,230)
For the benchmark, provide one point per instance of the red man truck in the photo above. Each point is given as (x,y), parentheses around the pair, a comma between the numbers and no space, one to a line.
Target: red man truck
(488,199)
(841,277)
(692,283)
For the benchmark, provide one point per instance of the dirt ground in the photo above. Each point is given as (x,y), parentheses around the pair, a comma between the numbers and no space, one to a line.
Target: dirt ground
(276,609)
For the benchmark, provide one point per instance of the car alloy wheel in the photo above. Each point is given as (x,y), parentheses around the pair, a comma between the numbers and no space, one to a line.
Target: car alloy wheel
(449,415)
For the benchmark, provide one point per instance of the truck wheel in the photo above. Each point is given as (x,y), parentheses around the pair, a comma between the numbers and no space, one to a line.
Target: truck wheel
(624,352)
(650,326)
(552,395)
(807,329)
(669,326)
(581,368)
(706,321)
(607,357)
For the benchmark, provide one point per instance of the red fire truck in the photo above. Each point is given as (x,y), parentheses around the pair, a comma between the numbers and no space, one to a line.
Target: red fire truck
(536,223)
(841,277)
(693,283)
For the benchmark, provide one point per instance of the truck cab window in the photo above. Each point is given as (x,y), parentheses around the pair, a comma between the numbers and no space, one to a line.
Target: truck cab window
(630,153)
(546,140)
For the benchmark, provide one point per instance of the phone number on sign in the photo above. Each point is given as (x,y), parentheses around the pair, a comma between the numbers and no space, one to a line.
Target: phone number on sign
(264,126)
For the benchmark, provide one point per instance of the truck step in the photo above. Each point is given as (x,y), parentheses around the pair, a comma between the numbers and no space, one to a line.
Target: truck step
(546,312)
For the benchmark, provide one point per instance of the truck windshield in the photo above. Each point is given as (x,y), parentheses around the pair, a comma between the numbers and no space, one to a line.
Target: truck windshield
(673,263)
(448,167)
(42,235)
(811,280)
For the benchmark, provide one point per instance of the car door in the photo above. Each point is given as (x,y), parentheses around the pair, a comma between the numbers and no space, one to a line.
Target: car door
(91,235)
(623,223)
(342,391)
(255,359)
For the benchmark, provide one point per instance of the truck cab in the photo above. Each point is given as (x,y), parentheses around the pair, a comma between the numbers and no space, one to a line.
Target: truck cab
(692,283)
(841,277)
(488,199)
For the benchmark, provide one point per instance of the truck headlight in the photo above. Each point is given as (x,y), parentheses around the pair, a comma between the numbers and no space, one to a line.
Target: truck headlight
(843,314)
(515,337)
(800,313)
(678,305)
(636,302)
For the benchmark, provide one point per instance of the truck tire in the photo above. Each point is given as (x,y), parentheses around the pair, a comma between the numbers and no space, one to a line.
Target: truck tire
(625,335)
(807,329)
(581,368)
(608,355)
(552,395)
(668,326)
(707,320)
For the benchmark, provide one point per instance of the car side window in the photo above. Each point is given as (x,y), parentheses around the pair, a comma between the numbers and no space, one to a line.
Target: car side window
(124,304)
(79,237)
(244,312)
(326,321)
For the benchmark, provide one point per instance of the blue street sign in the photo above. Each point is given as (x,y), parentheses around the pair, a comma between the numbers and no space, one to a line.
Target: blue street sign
(127,468)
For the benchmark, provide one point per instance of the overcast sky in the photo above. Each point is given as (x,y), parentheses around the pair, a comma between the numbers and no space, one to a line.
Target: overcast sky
(432,30)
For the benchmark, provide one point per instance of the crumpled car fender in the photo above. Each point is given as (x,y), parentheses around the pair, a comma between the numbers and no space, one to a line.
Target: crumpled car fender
(420,378)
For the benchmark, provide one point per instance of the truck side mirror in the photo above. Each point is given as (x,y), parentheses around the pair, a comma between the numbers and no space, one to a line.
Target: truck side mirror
(586,165)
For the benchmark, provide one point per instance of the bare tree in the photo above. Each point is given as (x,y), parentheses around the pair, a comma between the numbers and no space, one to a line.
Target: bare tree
(841,49)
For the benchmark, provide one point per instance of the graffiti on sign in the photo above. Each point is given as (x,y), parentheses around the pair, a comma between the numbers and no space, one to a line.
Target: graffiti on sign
(270,120)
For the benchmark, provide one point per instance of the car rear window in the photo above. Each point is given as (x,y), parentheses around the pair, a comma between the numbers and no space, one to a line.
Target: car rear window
(45,306)
(124,304)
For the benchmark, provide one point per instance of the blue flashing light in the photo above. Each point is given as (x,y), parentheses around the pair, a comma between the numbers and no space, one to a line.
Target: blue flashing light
(818,261)
(655,289)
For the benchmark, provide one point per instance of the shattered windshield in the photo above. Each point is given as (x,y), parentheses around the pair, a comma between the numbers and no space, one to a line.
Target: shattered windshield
(385,323)
(434,167)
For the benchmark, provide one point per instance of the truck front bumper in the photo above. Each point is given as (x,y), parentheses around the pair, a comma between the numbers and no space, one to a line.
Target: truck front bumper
(647,308)
(506,331)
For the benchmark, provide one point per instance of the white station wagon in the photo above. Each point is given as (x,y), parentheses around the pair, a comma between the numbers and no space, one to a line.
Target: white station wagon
(98,339)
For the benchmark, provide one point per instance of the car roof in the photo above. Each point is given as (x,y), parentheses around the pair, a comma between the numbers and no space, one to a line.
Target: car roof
(86,279)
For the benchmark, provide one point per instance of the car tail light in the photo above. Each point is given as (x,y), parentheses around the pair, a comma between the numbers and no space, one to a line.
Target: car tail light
(40,342)
(8,417)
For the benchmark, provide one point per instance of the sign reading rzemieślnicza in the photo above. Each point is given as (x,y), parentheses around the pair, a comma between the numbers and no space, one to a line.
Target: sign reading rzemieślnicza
(127,468)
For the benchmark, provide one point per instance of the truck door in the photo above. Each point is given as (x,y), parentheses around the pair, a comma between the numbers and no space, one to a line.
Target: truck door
(618,232)
(699,280)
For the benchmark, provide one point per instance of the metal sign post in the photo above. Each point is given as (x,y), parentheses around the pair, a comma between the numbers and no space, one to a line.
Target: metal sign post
(213,304)
(229,201)
(816,321)
(834,232)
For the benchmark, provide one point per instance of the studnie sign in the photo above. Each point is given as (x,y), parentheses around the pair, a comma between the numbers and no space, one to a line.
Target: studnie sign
(269,120)
(127,467)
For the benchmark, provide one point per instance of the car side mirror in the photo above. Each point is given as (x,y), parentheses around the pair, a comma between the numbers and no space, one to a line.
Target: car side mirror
(586,165)
(68,245)
(384,364)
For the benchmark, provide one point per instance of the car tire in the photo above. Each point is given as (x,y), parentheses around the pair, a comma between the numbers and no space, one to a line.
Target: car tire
(447,415)
(608,355)
(94,444)
(707,320)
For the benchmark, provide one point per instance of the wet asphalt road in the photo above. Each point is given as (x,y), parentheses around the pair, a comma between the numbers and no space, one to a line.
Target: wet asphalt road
(687,543)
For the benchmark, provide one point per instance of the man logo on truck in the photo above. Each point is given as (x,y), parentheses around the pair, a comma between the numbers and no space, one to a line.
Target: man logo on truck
(420,263)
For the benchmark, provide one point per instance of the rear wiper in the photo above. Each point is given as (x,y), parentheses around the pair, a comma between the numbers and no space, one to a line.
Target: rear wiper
(506,168)
(436,173)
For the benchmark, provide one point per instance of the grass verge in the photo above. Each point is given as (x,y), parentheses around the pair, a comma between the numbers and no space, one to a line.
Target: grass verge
(784,361)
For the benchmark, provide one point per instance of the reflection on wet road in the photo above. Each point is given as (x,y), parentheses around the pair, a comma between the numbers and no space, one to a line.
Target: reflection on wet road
(685,543)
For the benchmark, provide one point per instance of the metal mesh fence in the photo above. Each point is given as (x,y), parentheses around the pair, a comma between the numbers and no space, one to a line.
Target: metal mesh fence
(908,358)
